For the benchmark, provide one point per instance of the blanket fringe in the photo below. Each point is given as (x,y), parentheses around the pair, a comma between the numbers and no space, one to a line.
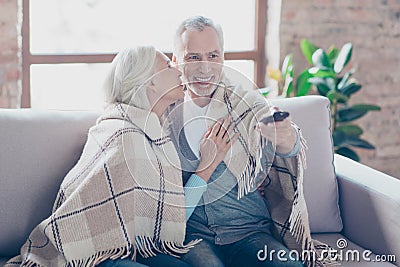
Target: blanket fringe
(298,226)
(101,256)
(303,149)
(145,246)
(247,179)
(295,219)
(30,264)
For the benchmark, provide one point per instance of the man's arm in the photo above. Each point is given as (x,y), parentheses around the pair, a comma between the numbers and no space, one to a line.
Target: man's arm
(270,150)
(295,150)
(281,133)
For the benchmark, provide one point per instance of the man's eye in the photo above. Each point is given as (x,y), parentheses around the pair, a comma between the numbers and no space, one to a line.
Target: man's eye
(214,55)
(193,57)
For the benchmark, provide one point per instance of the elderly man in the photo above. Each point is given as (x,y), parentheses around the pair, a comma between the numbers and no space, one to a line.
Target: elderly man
(232,216)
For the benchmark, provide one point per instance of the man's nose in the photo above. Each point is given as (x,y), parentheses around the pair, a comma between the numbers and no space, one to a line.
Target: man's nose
(204,66)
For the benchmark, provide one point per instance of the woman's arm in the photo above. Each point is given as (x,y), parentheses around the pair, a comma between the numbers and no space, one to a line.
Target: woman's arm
(194,189)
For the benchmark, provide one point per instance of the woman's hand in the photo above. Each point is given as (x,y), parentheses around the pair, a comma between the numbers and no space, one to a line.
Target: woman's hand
(215,144)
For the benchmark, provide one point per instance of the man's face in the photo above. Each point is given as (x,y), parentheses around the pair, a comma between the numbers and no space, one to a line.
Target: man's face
(202,58)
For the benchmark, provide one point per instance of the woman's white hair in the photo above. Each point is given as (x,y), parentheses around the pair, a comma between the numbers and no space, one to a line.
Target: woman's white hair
(128,76)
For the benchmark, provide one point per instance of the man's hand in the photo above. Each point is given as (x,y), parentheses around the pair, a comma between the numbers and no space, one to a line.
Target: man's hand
(215,144)
(280,133)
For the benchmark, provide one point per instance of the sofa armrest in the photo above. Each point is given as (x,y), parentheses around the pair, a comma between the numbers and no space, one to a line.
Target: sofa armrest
(370,205)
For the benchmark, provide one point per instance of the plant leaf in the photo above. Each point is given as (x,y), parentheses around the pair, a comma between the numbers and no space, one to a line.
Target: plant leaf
(333,54)
(339,138)
(302,84)
(345,78)
(317,72)
(264,91)
(287,64)
(321,81)
(322,90)
(321,84)
(320,60)
(335,96)
(366,107)
(350,129)
(343,57)
(348,153)
(289,88)
(358,142)
(308,49)
(350,114)
(350,89)
(355,111)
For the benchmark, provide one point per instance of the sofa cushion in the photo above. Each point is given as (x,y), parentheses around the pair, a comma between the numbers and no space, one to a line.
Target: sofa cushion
(38,148)
(312,114)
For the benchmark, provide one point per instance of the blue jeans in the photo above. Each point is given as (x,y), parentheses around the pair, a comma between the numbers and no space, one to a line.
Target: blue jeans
(156,261)
(245,252)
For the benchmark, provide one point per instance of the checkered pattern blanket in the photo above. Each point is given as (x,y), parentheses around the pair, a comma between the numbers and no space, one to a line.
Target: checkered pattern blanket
(123,197)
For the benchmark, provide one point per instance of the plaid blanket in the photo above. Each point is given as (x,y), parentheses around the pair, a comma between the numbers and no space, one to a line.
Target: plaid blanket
(123,197)
(283,178)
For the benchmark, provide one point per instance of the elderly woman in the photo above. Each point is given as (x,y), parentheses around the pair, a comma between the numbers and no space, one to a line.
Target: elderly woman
(123,202)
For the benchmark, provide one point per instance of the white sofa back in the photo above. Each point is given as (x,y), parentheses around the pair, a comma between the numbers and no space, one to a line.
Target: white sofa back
(312,114)
(38,148)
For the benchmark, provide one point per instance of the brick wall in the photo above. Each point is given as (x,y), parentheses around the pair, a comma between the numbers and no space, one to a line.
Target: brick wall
(373,26)
(10,67)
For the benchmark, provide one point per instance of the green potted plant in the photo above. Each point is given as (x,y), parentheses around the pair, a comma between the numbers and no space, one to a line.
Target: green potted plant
(327,76)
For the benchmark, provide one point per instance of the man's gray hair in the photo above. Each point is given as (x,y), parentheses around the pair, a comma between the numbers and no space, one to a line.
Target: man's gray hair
(196,23)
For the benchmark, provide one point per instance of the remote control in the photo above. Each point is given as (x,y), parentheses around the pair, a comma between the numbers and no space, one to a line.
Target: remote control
(277,116)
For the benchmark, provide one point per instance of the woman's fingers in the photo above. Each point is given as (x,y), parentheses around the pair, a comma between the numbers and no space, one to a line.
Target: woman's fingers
(208,133)
(225,145)
(225,126)
(222,132)
(216,127)
(217,141)
(231,128)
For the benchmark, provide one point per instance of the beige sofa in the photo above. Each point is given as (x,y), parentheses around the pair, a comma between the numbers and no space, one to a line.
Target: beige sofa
(351,206)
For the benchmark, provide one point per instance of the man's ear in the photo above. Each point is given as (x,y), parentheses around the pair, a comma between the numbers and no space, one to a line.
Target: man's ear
(174,60)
